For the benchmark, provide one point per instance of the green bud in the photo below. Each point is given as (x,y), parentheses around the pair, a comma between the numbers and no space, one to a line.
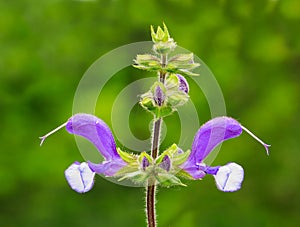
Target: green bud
(160,35)
(163,44)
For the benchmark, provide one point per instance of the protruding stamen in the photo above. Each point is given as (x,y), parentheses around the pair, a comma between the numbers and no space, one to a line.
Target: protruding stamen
(256,138)
(42,138)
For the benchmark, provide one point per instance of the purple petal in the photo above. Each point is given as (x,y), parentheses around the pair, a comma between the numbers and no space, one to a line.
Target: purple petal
(211,134)
(200,170)
(229,178)
(108,168)
(212,169)
(183,84)
(80,177)
(194,171)
(96,131)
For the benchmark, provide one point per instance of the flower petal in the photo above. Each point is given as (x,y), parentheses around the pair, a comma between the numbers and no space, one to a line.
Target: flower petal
(229,178)
(211,134)
(194,171)
(96,131)
(80,177)
(108,168)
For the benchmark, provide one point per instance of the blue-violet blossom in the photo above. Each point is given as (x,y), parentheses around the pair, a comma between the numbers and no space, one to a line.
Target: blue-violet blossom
(80,176)
(228,177)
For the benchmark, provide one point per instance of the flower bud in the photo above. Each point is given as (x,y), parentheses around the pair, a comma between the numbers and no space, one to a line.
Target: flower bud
(163,44)
(160,35)
(159,96)
(166,163)
(145,163)
(183,84)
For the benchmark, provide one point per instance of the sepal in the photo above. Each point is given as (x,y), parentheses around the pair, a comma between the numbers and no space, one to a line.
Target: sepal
(147,62)
(167,179)
(127,157)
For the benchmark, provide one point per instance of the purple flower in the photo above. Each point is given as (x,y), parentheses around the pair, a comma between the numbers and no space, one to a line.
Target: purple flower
(80,176)
(228,177)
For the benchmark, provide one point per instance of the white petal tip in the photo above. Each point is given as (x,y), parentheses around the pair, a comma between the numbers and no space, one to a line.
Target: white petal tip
(229,178)
(80,177)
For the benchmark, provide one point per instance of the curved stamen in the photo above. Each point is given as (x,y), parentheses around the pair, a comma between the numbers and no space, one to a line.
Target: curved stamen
(42,138)
(257,139)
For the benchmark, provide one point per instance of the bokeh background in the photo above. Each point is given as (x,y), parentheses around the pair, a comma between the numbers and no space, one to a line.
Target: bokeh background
(253,49)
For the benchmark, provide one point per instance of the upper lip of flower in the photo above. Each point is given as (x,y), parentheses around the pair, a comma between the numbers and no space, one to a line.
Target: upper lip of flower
(211,134)
(97,132)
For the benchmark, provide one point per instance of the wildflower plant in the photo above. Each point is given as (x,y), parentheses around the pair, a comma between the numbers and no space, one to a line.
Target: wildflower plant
(157,168)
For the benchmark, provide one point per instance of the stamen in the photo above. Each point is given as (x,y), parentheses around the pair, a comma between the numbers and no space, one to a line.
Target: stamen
(256,138)
(42,138)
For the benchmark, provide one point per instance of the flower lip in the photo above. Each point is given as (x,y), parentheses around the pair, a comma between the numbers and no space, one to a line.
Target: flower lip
(211,134)
(80,177)
(229,178)
(96,131)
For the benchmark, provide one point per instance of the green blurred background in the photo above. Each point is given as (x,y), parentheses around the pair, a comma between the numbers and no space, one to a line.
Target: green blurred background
(253,49)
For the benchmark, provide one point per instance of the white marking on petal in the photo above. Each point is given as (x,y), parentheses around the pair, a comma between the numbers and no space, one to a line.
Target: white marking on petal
(80,177)
(229,178)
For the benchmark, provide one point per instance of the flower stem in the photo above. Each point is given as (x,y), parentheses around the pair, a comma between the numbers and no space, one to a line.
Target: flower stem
(151,188)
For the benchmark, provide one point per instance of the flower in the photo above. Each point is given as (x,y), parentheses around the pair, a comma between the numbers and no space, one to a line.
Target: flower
(80,176)
(228,177)
(165,168)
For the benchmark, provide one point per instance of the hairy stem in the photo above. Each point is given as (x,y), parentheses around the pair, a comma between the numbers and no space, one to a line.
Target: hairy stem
(151,188)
